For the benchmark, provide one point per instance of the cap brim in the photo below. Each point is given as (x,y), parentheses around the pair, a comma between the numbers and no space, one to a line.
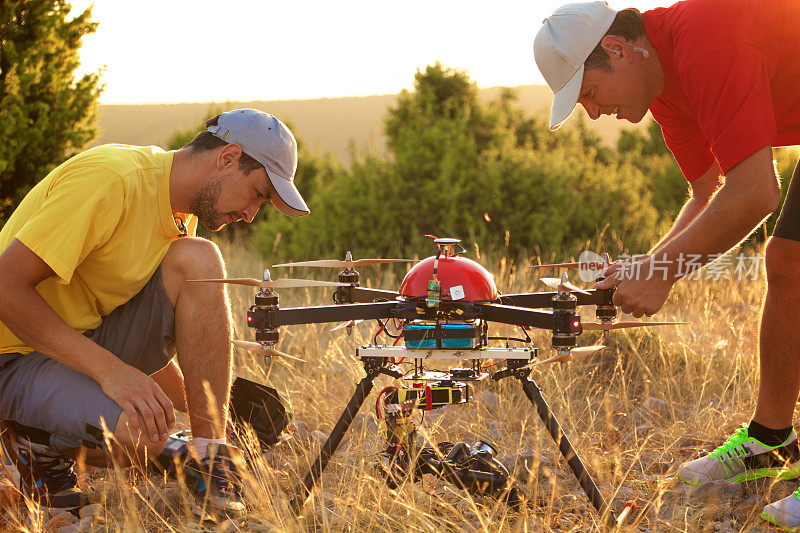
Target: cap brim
(565,99)
(290,203)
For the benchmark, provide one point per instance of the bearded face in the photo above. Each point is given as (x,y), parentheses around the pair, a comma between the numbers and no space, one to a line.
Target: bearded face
(230,195)
(204,205)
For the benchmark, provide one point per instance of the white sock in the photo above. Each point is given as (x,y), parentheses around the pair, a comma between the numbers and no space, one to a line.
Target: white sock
(201,445)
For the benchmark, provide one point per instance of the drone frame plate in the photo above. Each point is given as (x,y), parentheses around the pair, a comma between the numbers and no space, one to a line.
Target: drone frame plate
(524,354)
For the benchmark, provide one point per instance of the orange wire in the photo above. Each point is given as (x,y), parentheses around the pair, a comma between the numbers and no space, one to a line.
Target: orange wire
(493,364)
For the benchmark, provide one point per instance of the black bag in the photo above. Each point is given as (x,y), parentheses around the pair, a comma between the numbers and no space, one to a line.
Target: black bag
(261,407)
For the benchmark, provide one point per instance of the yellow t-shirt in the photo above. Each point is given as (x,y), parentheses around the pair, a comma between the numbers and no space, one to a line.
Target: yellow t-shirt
(102,221)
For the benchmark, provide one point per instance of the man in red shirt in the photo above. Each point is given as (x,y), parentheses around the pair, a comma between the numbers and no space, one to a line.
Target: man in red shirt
(721,78)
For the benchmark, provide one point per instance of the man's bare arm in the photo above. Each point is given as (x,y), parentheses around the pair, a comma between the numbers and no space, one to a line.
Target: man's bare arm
(29,317)
(750,194)
(702,191)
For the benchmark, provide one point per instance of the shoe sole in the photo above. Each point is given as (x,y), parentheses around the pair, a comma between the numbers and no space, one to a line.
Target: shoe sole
(751,475)
(771,520)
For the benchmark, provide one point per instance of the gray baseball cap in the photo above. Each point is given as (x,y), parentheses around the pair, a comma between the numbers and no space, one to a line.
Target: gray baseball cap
(267,140)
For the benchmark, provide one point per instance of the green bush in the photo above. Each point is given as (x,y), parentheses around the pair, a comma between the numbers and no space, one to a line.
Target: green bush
(47,115)
(459,167)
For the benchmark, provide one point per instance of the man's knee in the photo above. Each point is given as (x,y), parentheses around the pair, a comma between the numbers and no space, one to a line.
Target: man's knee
(194,255)
(783,262)
(190,258)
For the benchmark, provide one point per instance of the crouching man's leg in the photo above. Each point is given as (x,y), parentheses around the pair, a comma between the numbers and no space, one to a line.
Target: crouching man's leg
(203,345)
(51,410)
(57,408)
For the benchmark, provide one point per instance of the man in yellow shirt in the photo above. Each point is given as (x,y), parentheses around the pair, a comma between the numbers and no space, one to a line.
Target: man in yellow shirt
(94,301)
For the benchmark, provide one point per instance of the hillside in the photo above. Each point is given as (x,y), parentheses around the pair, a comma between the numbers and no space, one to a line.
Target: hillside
(327,124)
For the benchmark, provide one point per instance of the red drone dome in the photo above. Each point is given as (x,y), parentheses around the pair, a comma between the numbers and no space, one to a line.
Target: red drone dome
(475,282)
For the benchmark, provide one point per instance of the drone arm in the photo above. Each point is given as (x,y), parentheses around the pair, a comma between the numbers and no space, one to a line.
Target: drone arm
(541,300)
(531,300)
(334,313)
(519,316)
(363,295)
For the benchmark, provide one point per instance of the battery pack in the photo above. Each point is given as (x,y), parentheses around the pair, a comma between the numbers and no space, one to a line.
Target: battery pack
(441,336)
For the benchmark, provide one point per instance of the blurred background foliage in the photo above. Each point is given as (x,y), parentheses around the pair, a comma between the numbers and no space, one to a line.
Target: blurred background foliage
(455,165)
(487,173)
(46,114)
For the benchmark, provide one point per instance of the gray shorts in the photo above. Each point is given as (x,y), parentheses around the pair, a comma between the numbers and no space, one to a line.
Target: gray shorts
(39,392)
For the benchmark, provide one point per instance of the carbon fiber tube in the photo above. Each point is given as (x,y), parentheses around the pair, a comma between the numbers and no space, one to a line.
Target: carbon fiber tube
(565,447)
(362,391)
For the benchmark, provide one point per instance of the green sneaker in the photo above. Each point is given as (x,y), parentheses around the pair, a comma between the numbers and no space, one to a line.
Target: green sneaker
(784,513)
(743,458)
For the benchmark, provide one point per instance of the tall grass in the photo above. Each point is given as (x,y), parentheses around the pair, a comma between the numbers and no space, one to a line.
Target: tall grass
(705,372)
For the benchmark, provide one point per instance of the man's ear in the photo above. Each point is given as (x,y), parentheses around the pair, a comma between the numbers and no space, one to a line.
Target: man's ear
(615,46)
(229,156)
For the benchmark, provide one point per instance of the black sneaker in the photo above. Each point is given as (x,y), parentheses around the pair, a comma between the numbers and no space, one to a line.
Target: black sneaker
(45,476)
(216,482)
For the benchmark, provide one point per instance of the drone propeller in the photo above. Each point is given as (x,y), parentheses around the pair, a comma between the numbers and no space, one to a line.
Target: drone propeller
(562,284)
(273,284)
(557,265)
(254,347)
(570,355)
(596,326)
(584,264)
(348,325)
(347,263)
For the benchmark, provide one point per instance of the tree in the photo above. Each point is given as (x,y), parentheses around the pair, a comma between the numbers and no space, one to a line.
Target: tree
(457,166)
(46,115)
(648,152)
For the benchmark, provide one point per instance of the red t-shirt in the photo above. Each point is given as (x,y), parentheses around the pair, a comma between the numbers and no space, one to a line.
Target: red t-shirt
(732,79)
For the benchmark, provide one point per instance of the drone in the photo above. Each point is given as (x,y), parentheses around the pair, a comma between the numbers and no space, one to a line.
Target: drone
(441,312)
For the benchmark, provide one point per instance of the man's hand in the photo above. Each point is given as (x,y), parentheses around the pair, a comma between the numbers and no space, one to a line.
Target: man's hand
(142,400)
(642,287)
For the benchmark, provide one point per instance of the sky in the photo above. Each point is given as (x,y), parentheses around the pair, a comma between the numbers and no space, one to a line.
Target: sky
(171,51)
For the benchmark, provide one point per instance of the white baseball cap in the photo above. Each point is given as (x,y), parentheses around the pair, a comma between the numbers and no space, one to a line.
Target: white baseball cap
(267,140)
(561,47)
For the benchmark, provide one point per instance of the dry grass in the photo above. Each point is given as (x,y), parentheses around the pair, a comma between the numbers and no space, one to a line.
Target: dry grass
(707,374)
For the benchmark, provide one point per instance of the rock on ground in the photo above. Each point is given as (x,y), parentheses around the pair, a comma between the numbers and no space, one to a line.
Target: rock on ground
(83,526)
(301,432)
(319,436)
(715,492)
(654,410)
(228,526)
(61,519)
(91,510)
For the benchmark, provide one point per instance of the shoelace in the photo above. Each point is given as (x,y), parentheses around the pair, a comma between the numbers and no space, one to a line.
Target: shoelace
(224,474)
(55,472)
(733,446)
